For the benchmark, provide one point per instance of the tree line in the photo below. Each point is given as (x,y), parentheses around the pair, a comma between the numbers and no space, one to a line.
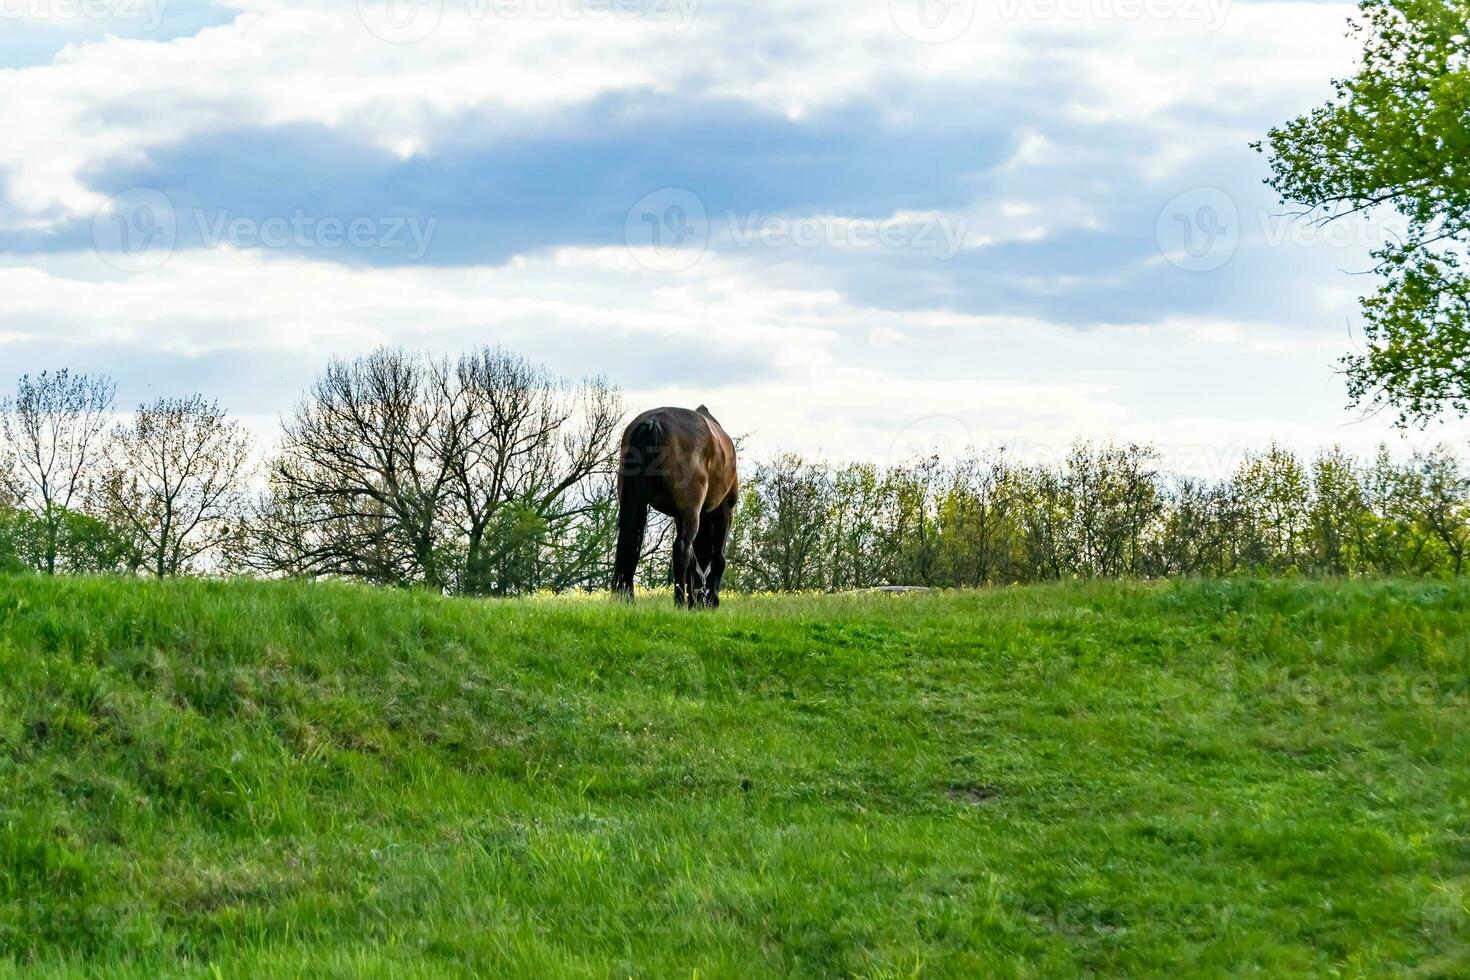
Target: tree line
(1106,511)
(487,475)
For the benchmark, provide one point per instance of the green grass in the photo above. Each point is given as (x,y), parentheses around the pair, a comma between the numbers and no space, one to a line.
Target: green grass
(1203,778)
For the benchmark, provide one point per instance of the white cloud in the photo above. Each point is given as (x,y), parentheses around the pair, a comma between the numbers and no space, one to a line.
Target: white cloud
(284,62)
(818,370)
(819,373)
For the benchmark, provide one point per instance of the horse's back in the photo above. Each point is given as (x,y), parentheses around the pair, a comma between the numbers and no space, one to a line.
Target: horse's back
(674,450)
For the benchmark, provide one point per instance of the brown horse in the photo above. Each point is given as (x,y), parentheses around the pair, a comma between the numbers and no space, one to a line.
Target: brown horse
(682,464)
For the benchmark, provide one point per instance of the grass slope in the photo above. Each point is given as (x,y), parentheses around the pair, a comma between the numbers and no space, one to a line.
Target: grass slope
(267,779)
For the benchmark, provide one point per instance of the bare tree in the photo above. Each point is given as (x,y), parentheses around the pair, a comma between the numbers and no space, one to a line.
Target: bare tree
(175,481)
(271,539)
(467,477)
(527,440)
(53,430)
(361,471)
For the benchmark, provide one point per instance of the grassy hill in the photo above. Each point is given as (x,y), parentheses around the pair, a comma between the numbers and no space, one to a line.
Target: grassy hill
(264,779)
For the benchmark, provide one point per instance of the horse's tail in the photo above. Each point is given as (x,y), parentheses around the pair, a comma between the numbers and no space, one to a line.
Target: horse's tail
(645,446)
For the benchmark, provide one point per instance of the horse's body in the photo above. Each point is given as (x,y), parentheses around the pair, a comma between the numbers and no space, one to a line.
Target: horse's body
(682,464)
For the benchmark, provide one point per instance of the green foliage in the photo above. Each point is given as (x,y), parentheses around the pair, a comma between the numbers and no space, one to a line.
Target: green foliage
(83,544)
(286,779)
(780,535)
(169,499)
(1106,512)
(1397,136)
(1274,486)
(507,559)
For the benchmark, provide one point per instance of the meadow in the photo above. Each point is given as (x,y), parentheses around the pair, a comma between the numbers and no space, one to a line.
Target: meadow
(1199,777)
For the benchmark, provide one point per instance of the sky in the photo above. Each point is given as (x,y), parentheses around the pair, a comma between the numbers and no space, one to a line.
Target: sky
(862,229)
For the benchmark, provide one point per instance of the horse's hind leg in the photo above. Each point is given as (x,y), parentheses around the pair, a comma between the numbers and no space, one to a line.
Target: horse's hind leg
(721,539)
(686,527)
(709,553)
(632,516)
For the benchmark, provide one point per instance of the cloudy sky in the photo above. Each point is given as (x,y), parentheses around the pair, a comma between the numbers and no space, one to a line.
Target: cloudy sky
(858,227)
